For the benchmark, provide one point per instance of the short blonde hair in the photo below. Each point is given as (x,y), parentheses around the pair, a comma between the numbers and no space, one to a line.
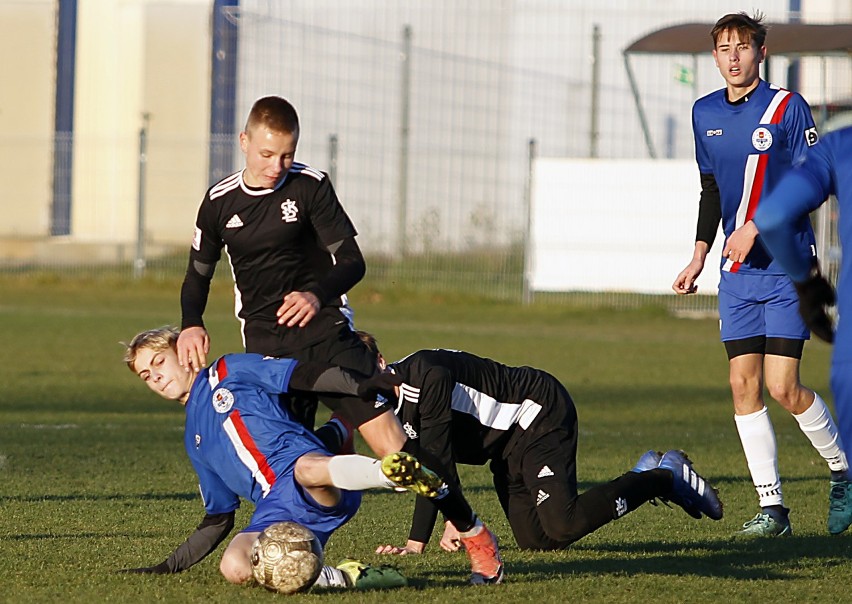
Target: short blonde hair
(161,338)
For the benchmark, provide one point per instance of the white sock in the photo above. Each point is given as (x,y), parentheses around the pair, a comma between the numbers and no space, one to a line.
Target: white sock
(357,472)
(332,577)
(818,425)
(761,452)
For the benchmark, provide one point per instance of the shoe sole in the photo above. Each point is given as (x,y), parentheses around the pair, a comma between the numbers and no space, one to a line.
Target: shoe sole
(406,472)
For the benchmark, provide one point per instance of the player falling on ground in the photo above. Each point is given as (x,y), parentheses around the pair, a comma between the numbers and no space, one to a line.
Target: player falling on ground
(747,135)
(470,410)
(243,443)
(826,171)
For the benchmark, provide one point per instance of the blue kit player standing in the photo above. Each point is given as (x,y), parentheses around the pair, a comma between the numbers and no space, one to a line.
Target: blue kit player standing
(826,171)
(747,136)
(243,444)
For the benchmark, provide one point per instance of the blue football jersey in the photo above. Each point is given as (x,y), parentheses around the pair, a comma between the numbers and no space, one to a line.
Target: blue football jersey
(827,170)
(748,147)
(239,439)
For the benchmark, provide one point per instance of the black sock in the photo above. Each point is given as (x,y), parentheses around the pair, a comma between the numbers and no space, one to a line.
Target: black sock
(453,505)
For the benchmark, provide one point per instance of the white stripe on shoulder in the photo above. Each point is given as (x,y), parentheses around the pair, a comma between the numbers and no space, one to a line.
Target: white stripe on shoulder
(229,183)
(409,393)
(773,105)
(306,169)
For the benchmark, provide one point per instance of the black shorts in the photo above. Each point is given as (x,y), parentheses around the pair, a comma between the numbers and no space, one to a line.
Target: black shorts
(536,483)
(346,350)
(782,347)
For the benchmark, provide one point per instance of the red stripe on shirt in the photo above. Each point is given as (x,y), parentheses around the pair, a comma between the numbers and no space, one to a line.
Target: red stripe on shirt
(221,369)
(779,110)
(251,447)
(754,195)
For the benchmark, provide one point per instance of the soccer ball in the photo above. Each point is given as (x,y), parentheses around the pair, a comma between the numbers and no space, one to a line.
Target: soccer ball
(286,557)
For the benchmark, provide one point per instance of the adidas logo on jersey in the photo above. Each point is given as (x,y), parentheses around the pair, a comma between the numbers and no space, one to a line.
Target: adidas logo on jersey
(545,471)
(620,507)
(541,497)
(234,222)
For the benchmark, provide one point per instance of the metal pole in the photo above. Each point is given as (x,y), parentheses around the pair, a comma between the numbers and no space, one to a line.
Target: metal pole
(404,132)
(139,262)
(643,121)
(332,159)
(527,293)
(596,84)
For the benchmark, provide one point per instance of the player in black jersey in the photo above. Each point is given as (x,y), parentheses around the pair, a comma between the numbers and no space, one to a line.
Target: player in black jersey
(293,256)
(467,409)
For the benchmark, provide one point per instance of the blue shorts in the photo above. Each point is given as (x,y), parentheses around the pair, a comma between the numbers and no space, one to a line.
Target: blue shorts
(287,500)
(759,305)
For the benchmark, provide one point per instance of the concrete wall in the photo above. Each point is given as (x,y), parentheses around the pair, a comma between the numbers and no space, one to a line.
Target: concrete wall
(134,57)
(27,43)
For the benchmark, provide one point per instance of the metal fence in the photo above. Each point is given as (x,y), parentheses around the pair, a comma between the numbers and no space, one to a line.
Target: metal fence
(425,115)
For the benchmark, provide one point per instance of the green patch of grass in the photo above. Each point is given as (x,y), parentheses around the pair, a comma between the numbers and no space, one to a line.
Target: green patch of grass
(93,477)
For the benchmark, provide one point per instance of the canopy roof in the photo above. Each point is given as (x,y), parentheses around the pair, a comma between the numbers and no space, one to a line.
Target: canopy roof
(783,39)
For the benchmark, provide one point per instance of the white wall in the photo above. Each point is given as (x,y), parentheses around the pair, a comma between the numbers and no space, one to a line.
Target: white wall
(615,225)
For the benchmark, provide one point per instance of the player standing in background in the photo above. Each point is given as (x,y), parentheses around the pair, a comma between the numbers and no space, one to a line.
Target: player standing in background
(471,410)
(747,136)
(826,171)
(293,256)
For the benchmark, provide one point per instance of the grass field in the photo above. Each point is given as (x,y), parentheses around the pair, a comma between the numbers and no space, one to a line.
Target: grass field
(93,477)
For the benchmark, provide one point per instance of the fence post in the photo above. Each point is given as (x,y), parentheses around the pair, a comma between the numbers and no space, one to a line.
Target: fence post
(332,159)
(596,84)
(139,262)
(404,131)
(527,293)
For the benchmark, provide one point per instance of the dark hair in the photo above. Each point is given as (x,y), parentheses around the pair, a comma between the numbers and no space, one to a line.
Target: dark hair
(369,341)
(275,113)
(748,27)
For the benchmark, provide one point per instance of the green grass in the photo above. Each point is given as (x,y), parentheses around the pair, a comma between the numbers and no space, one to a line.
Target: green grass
(93,476)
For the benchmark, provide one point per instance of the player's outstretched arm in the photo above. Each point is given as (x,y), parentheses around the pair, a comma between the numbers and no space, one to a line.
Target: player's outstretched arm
(206,538)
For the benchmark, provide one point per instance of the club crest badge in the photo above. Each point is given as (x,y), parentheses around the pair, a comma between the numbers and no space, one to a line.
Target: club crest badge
(761,139)
(223,400)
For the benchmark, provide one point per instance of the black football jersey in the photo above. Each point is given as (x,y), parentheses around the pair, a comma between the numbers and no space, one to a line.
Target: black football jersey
(485,407)
(277,242)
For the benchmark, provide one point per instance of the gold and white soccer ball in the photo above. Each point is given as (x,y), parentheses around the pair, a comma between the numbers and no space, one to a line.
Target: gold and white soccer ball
(286,557)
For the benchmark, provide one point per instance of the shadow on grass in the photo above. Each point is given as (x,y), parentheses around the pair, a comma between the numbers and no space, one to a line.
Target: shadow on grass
(116,497)
(734,558)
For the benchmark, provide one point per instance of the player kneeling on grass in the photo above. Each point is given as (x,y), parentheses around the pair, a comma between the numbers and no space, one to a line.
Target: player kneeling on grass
(467,409)
(242,443)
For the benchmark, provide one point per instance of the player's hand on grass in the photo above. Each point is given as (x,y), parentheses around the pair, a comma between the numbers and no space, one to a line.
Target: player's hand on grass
(816,296)
(381,384)
(411,547)
(451,540)
(193,344)
(298,309)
